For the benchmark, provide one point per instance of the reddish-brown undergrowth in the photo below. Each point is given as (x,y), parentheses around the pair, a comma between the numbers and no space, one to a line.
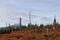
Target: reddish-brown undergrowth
(31,35)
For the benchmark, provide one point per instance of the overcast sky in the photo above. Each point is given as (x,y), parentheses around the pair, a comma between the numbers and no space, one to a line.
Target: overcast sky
(42,11)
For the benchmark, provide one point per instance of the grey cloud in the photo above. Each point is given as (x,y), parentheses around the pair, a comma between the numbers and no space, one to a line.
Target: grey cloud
(46,18)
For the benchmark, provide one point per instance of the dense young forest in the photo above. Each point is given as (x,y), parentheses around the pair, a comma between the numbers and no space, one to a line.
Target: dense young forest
(10,28)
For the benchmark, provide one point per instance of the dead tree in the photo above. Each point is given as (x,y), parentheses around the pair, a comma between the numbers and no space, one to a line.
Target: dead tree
(46,34)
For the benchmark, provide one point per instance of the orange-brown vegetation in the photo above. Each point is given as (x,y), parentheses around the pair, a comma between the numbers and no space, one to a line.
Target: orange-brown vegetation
(32,35)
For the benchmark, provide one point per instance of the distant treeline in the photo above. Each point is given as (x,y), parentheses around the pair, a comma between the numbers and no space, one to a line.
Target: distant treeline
(10,28)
